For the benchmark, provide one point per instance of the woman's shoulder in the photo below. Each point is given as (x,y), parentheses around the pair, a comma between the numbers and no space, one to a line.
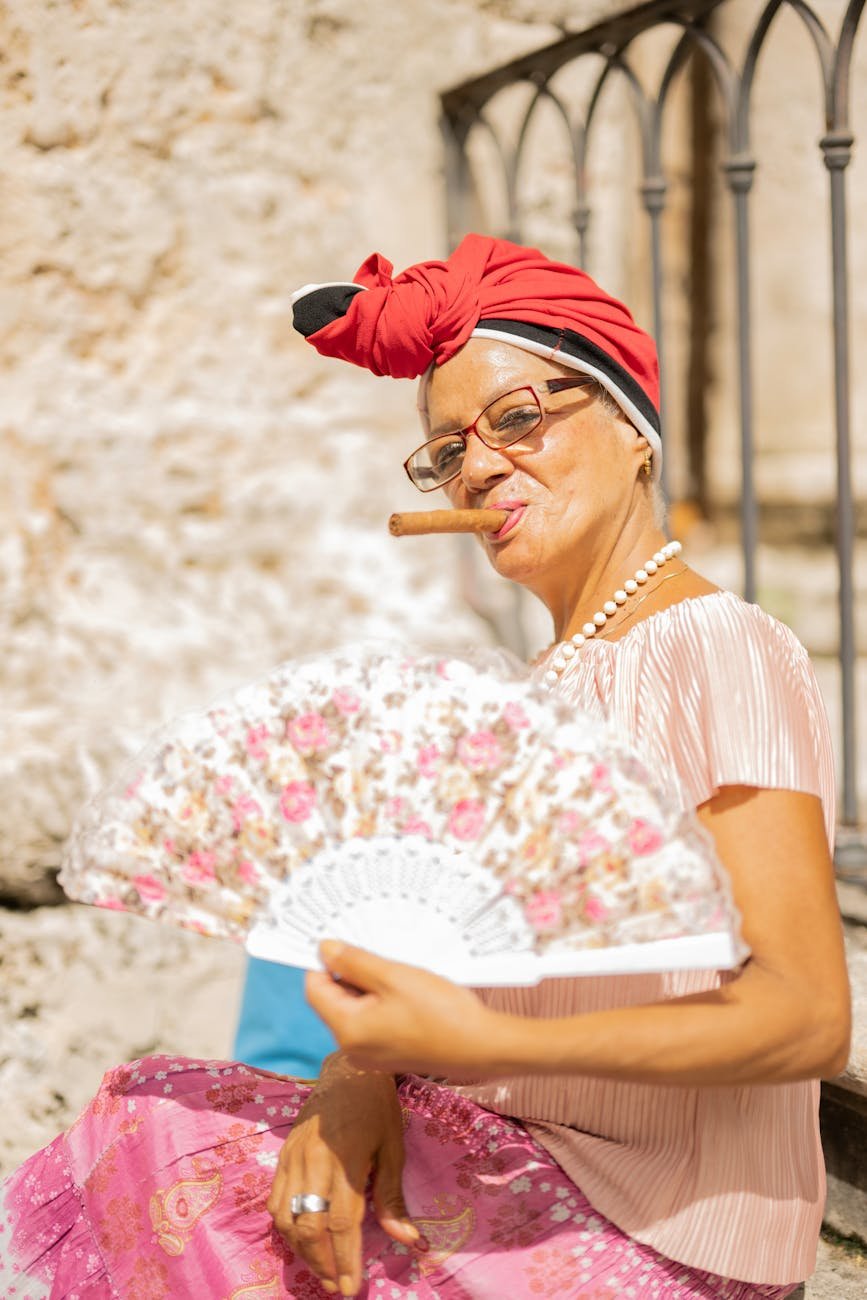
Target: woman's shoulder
(719,624)
(733,693)
(720,650)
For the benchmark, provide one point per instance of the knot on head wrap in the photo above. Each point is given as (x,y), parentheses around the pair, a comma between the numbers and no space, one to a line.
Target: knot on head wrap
(491,288)
(402,323)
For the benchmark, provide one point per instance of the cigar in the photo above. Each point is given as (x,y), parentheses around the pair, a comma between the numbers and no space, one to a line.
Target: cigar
(446,521)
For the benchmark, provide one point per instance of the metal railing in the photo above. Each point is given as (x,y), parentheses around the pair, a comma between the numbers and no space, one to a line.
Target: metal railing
(610,47)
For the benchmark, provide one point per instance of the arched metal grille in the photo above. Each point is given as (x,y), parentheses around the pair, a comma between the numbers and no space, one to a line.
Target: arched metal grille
(610,47)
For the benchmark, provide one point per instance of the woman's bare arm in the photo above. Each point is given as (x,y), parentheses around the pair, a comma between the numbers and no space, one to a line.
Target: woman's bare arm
(785,1017)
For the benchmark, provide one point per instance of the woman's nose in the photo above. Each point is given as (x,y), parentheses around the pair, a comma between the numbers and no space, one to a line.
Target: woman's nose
(482,466)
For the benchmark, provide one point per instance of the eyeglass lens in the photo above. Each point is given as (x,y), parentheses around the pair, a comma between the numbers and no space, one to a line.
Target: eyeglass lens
(506,421)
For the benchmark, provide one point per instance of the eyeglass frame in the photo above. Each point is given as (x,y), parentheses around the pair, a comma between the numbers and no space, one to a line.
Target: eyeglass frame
(549,386)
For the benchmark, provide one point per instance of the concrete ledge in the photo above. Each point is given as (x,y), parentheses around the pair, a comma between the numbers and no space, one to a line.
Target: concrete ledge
(843,1108)
(853,905)
(843,1120)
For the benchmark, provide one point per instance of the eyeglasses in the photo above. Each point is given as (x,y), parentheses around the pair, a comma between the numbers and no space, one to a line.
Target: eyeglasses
(506,421)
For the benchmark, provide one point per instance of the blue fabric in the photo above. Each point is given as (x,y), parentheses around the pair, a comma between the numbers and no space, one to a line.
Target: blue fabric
(277,1030)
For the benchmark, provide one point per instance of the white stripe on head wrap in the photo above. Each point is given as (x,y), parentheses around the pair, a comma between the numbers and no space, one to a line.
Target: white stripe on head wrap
(557,353)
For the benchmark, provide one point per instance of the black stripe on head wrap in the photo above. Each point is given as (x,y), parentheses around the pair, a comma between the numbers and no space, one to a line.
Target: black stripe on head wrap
(572,348)
(318,305)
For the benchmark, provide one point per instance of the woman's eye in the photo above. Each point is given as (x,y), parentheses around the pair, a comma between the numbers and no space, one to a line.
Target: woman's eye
(517,420)
(446,453)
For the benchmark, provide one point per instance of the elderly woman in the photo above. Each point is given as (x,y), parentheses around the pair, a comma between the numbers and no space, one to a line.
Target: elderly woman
(619,1136)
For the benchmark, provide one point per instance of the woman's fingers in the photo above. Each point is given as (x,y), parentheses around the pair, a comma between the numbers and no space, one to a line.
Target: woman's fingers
(311,1239)
(307,1234)
(356,966)
(344,1226)
(329,1241)
(388,1199)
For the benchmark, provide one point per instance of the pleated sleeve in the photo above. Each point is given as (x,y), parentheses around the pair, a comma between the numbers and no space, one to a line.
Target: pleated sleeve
(739,702)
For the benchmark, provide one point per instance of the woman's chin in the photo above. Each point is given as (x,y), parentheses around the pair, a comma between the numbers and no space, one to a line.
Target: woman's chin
(512,560)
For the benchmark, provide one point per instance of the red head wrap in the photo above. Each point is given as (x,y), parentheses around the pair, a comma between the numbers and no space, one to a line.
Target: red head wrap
(400,325)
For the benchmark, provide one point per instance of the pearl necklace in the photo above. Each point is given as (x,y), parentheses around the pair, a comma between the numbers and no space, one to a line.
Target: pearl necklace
(567,650)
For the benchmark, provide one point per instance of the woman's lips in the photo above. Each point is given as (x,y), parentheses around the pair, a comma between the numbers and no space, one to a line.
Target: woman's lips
(516,513)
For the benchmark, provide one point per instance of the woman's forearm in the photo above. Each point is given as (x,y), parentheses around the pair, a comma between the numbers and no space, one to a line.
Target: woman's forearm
(752,1030)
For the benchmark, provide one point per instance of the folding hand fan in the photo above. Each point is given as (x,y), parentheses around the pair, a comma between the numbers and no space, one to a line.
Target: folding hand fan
(444,812)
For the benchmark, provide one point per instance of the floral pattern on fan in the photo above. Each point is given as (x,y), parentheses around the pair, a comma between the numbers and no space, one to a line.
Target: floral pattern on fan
(368,743)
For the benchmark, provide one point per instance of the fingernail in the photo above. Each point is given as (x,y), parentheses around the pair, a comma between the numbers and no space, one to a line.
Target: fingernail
(422,1243)
(346,1287)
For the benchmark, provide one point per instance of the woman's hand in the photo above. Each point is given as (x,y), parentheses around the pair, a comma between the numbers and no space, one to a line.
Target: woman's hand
(350,1124)
(396,1017)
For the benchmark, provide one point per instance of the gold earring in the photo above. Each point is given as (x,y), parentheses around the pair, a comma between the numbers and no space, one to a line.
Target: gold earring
(647,463)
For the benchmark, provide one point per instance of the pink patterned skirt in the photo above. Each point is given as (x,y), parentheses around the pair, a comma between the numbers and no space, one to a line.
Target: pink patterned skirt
(158,1192)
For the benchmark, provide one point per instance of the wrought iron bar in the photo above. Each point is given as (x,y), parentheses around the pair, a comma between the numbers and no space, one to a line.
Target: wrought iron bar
(653,195)
(740,178)
(837,150)
(606,37)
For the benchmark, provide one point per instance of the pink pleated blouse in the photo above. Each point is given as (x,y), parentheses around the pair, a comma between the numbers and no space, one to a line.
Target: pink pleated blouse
(713,692)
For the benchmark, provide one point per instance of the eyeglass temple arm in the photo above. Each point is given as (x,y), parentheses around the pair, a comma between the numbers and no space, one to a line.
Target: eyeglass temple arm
(559,385)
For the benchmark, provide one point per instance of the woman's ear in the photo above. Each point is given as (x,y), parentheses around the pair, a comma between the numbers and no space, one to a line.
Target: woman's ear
(643,456)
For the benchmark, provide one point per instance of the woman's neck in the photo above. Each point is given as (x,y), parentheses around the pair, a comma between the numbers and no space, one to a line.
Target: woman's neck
(594,579)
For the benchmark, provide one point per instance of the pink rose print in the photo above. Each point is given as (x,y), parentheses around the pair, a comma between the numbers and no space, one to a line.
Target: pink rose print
(297,801)
(569,822)
(590,846)
(644,838)
(600,778)
(220,719)
(467,819)
(480,751)
(391,743)
(255,742)
(515,718)
(222,785)
(243,808)
(309,733)
(132,789)
(248,872)
(543,911)
(111,904)
(170,846)
(199,868)
(427,760)
(594,910)
(150,889)
(415,826)
(393,808)
(346,702)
